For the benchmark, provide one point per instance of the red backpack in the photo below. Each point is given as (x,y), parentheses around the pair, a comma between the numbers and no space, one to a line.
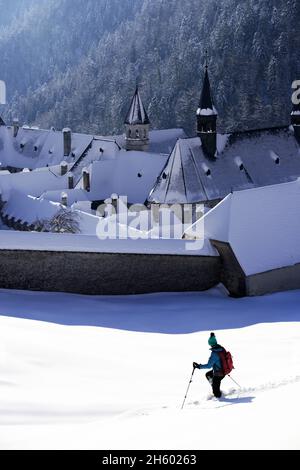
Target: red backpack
(226,361)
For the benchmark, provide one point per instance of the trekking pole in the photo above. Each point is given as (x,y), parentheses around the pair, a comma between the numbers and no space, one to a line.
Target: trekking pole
(191,380)
(234,381)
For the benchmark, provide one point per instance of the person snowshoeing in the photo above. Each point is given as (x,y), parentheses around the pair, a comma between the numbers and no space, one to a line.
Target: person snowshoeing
(214,376)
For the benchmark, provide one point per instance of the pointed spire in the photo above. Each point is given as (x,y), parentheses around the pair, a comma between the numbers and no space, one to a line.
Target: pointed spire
(206,103)
(207,118)
(137,113)
(206,100)
(206,59)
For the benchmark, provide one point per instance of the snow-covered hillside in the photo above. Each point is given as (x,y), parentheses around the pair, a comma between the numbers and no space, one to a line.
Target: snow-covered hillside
(111,372)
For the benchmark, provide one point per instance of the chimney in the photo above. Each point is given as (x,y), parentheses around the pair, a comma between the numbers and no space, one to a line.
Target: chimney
(67,136)
(63,168)
(70,181)
(64,199)
(114,200)
(16,126)
(86,180)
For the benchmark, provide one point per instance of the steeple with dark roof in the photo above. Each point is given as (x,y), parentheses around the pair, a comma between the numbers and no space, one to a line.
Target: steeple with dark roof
(207,119)
(137,113)
(206,106)
(137,124)
(206,102)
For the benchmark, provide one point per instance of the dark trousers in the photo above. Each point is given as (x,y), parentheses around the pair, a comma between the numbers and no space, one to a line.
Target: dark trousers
(215,382)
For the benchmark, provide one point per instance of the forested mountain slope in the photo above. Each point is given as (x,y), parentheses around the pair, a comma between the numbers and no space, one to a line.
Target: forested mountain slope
(76,62)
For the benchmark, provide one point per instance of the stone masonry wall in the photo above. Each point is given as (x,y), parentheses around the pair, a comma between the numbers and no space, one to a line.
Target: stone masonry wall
(105,273)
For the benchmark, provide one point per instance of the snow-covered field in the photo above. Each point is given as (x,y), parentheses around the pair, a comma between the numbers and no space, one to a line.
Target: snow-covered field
(82,372)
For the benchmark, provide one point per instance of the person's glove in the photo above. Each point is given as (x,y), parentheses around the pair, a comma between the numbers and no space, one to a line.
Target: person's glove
(195,365)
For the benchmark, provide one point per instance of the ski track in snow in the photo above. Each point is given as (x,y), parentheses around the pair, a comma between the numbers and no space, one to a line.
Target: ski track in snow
(243,391)
(118,379)
(233,396)
(210,402)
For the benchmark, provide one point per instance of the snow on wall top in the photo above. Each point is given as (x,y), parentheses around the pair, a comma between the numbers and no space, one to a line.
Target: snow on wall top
(262,226)
(11,240)
(190,177)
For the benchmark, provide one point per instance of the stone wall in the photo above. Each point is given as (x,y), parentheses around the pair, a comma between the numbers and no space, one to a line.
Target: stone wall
(240,285)
(232,275)
(105,273)
(277,280)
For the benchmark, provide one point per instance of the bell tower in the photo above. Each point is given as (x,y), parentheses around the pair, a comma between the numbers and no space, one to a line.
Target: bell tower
(137,124)
(207,119)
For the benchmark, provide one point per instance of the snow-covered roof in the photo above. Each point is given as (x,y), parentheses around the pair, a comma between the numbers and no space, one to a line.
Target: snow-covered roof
(160,141)
(126,173)
(73,195)
(137,113)
(33,148)
(103,148)
(33,182)
(262,226)
(29,208)
(99,149)
(245,160)
(130,174)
